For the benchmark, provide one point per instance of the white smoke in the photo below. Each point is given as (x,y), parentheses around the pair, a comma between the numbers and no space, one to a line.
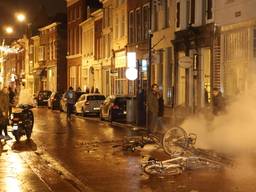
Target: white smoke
(25,97)
(233,132)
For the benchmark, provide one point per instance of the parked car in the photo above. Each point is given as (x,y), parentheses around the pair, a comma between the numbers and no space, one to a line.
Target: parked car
(54,100)
(42,98)
(63,101)
(114,108)
(89,104)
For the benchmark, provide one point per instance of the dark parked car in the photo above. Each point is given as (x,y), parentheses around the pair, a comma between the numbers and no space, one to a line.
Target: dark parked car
(114,108)
(63,101)
(42,98)
(54,100)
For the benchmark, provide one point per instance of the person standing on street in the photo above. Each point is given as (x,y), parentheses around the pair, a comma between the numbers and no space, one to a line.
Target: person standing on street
(12,96)
(4,108)
(141,108)
(160,112)
(153,108)
(70,96)
(218,102)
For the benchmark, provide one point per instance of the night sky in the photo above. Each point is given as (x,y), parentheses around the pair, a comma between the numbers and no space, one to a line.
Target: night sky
(32,9)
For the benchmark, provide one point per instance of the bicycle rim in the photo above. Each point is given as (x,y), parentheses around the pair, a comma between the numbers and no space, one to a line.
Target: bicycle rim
(170,139)
(203,163)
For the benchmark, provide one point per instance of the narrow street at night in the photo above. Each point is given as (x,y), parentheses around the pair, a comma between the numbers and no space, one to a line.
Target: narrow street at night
(78,155)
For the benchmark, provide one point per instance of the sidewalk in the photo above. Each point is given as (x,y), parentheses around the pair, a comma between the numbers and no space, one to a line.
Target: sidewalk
(16,175)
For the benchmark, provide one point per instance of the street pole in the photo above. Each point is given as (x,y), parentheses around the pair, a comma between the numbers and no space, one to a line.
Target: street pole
(149,63)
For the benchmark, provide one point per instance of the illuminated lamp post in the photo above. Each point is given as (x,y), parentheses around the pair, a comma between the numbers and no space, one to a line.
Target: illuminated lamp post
(131,74)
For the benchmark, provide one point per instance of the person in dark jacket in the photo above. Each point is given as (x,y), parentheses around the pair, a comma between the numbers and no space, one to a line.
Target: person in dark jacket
(218,102)
(141,108)
(160,112)
(4,108)
(153,107)
(12,96)
(70,96)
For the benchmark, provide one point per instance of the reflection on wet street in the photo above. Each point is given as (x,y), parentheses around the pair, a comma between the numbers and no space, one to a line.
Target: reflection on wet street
(16,176)
(79,155)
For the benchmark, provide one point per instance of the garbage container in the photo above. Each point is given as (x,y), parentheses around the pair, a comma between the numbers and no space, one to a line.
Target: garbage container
(131,110)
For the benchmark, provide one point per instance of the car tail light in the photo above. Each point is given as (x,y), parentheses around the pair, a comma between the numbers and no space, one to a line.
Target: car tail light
(115,107)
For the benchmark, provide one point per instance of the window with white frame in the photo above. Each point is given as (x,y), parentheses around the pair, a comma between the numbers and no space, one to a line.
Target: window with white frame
(121,81)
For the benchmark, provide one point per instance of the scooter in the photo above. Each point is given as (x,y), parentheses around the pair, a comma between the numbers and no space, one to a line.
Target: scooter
(22,122)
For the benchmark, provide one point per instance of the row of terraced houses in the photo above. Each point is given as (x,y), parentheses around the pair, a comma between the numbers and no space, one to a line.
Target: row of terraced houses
(217,39)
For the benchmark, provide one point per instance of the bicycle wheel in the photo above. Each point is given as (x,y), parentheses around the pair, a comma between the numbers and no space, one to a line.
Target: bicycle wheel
(202,163)
(159,170)
(175,141)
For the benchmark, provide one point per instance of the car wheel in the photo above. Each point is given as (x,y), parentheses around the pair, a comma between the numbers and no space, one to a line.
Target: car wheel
(83,113)
(110,119)
(101,117)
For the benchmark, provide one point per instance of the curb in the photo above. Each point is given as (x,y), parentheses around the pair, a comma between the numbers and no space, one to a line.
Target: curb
(114,123)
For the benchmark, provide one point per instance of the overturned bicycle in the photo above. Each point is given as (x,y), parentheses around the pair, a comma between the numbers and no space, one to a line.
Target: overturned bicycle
(184,155)
(180,146)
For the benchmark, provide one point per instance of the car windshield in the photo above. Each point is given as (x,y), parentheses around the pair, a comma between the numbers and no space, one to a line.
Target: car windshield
(78,94)
(121,101)
(95,97)
(45,94)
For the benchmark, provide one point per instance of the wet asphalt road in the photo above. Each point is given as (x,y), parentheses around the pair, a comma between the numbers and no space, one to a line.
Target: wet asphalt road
(81,150)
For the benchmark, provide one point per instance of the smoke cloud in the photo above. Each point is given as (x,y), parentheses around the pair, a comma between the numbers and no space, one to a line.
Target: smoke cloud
(233,132)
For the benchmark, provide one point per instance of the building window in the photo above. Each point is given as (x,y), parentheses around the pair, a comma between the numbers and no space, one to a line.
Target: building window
(116,27)
(131,27)
(254,42)
(166,14)
(155,17)
(121,81)
(138,24)
(73,75)
(41,55)
(145,22)
(54,50)
(122,30)
(209,14)
(106,17)
(178,15)
(192,12)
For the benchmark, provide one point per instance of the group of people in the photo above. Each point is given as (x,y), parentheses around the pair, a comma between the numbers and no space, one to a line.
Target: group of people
(156,107)
(7,101)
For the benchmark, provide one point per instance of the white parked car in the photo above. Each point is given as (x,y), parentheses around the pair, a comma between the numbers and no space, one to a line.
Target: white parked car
(89,104)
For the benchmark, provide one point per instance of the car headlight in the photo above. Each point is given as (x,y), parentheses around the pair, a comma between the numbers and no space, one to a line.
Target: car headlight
(11,116)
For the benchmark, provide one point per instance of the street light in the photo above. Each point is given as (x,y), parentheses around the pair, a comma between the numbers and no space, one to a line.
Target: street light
(9,30)
(20,17)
